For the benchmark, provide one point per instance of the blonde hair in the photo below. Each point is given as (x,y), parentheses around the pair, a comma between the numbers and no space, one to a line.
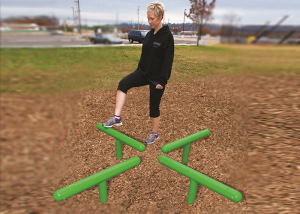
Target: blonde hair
(157,7)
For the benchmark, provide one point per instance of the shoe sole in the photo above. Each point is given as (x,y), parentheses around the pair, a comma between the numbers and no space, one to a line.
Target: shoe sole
(117,124)
(153,141)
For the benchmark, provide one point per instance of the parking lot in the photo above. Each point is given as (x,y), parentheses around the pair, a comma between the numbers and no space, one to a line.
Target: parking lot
(46,40)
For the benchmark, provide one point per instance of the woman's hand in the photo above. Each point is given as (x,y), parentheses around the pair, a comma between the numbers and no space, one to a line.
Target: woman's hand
(158,86)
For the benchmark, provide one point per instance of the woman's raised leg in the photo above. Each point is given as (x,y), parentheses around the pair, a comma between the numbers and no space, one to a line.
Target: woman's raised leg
(116,120)
(134,79)
(120,100)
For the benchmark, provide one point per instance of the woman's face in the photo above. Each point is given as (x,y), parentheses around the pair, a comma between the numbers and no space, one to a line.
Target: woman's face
(153,20)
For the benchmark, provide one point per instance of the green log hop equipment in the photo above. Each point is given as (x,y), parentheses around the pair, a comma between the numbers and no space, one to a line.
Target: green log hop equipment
(185,143)
(195,177)
(199,178)
(97,179)
(121,138)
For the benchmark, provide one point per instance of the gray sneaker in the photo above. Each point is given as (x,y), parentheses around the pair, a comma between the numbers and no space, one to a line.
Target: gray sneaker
(151,138)
(112,122)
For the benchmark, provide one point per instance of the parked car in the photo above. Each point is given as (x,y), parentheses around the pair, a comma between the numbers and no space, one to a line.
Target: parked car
(105,39)
(56,32)
(137,35)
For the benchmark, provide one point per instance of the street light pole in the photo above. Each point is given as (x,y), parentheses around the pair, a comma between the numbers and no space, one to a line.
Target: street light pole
(139,17)
(183,20)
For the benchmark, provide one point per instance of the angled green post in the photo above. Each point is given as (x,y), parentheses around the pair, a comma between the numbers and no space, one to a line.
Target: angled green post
(119,149)
(183,142)
(200,178)
(192,192)
(103,191)
(185,154)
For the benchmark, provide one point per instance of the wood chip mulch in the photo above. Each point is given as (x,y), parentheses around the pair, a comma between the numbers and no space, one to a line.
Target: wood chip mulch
(274,133)
(48,142)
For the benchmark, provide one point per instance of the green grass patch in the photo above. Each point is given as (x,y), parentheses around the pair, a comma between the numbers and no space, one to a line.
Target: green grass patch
(30,71)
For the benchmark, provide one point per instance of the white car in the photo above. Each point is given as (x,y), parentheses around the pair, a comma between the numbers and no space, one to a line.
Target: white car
(56,32)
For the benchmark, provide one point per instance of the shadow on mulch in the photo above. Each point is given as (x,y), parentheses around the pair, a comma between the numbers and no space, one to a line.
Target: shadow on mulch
(50,142)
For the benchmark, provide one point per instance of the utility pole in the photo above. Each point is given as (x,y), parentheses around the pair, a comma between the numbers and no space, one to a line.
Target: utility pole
(79,21)
(117,20)
(183,20)
(76,20)
(79,16)
(139,17)
(64,21)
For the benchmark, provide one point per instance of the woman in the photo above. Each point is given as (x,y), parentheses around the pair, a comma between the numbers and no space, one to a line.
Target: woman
(154,69)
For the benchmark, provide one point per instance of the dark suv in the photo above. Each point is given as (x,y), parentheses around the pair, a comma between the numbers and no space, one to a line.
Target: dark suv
(137,35)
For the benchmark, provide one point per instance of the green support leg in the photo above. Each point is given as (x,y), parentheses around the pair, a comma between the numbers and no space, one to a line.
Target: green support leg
(103,192)
(192,192)
(185,155)
(119,149)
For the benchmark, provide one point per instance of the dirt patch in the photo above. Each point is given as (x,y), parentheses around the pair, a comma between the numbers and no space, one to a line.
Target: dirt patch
(50,142)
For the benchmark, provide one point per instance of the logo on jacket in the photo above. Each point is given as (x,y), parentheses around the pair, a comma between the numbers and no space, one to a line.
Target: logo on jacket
(156,44)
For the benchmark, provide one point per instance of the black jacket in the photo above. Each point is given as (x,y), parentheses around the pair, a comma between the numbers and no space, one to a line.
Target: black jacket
(157,56)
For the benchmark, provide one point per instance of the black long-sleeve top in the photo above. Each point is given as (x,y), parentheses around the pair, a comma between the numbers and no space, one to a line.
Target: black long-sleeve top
(157,56)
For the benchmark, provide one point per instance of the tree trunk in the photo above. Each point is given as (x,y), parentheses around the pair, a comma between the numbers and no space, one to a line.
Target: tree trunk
(200,30)
(198,37)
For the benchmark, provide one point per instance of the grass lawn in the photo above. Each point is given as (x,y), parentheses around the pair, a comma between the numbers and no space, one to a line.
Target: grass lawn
(30,71)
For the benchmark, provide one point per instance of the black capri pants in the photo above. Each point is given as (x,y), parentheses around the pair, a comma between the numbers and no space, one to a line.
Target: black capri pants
(137,79)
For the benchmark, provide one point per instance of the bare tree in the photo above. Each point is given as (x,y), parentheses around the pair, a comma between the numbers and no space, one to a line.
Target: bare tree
(200,13)
(230,25)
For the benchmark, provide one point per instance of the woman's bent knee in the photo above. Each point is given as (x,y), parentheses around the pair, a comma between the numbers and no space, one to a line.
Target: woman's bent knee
(123,87)
(154,111)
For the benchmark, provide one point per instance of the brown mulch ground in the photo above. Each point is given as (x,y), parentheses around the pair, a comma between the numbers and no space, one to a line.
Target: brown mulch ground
(274,133)
(50,142)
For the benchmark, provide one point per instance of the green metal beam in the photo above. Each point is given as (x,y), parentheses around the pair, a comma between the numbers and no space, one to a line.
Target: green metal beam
(95,179)
(200,178)
(183,141)
(121,137)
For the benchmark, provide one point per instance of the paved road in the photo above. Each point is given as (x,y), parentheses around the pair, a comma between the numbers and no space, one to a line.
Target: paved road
(64,41)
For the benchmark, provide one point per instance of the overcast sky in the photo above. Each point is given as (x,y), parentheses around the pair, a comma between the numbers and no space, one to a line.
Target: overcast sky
(95,12)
